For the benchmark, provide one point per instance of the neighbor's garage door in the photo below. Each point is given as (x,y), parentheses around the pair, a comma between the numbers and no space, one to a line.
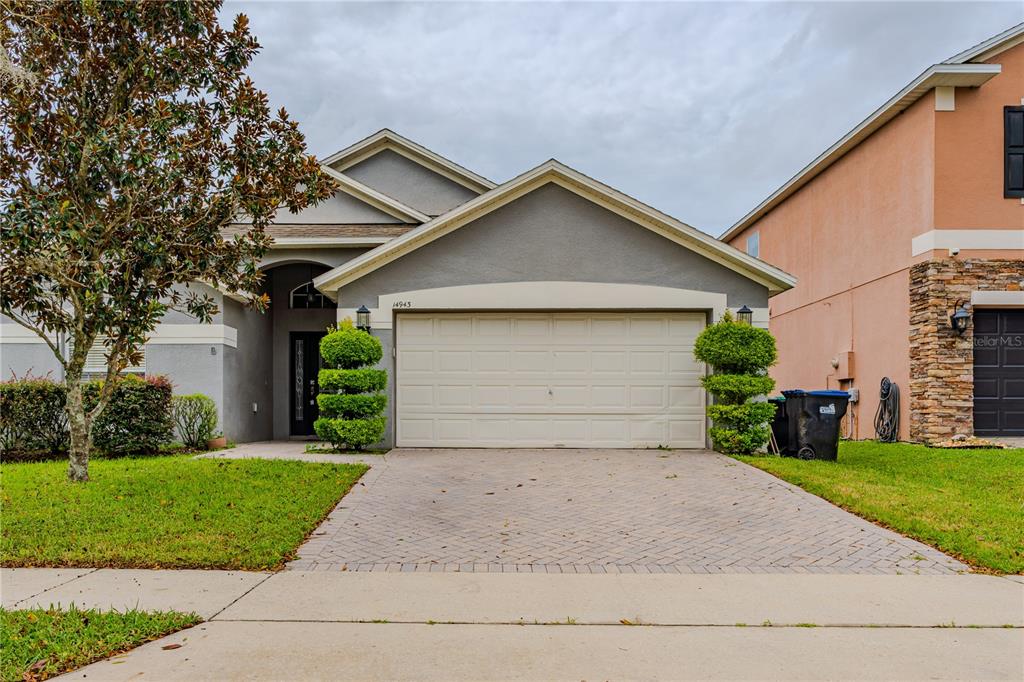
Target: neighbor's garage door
(517,380)
(999,372)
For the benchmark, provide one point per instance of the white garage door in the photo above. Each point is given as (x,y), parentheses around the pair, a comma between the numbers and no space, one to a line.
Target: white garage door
(518,380)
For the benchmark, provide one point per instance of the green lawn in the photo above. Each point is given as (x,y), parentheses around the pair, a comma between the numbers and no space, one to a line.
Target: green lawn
(968,503)
(166,512)
(42,643)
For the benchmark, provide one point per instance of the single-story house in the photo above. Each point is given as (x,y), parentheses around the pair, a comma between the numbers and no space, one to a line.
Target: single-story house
(547,311)
(907,236)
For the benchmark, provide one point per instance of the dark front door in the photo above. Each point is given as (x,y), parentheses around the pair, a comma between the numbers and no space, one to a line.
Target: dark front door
(999,372)
(305,366)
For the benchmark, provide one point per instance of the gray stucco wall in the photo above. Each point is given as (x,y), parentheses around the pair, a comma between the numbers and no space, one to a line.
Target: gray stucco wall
(409,182)
(550,234)
(248,375)
(22,359)
(341,208)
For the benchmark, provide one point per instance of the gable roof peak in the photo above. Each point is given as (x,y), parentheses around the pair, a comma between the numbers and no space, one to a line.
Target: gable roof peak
(388,139)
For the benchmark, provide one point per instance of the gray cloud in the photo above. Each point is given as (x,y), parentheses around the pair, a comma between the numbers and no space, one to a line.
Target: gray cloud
(699,109)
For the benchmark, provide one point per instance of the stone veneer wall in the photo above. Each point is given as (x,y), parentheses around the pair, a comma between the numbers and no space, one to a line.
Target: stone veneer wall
(941,362)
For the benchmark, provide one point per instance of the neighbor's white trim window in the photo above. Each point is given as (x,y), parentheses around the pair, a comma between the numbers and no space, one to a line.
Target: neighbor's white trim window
(754,245)
(96,361)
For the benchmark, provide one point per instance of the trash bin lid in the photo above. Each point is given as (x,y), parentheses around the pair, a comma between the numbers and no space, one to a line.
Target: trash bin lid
(830,394)
(777,399)
(794,392)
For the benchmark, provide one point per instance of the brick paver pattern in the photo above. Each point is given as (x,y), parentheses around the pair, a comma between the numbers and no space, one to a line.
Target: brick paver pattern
(597,511)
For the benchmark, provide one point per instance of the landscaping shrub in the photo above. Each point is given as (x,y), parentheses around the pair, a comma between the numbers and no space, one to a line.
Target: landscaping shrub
(351,402)
(195,418)
(137,420)
(33,423)
(740,356)
(32,418)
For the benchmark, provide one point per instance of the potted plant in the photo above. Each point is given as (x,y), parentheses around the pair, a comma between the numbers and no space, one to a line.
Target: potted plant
(217,442)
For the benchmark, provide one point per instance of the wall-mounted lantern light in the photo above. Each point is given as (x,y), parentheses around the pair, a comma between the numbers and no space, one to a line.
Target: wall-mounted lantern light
(745,315)
(960,318)
(363,318)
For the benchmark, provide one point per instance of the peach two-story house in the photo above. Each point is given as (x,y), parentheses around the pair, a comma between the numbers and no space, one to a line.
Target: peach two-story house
(914,215)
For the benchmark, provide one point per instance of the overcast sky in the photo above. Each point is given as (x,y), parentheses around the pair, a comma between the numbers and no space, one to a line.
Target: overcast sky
(699,109)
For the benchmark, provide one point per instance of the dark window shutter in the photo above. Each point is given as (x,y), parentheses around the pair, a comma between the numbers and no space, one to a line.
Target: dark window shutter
(1013,131)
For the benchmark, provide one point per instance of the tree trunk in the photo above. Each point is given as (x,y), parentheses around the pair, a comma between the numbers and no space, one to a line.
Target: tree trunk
(81,432)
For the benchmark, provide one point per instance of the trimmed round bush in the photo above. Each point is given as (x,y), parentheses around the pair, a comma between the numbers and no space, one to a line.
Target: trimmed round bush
(195,417)
(354,406)
(33,422)
(353,380)
(736,348)
(349,348)
(736,388)
(355,433)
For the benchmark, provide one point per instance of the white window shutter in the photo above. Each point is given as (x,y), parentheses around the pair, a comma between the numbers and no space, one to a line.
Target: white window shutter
(96,360)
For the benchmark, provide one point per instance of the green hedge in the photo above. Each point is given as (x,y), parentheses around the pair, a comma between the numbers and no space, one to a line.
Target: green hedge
(353,380)
(33,424)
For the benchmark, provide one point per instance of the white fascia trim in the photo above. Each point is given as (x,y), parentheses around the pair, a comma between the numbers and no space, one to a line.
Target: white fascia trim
(326,242)
(520,296)
(381,202)
(12,332)
(187,334)
(997,299)
(967,239)
(553,171)
(388,139)
(176,334)
(948,75)
(987,49)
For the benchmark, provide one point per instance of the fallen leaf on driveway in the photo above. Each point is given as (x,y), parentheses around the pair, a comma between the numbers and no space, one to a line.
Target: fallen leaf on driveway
(168,647)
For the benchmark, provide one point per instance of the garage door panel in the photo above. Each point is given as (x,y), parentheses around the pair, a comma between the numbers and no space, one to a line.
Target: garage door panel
(549,380)
(492,360)
(526,361)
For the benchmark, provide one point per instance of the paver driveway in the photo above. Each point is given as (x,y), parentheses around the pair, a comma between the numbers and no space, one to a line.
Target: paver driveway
(596,511)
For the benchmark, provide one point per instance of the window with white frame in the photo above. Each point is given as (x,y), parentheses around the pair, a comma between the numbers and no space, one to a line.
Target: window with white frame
(307,296)
(754,245)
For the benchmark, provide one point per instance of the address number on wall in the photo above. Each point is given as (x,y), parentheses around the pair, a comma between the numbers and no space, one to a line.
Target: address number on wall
(402,304)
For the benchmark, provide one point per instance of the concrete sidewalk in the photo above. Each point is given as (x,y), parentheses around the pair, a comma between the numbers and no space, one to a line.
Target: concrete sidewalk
(451,626)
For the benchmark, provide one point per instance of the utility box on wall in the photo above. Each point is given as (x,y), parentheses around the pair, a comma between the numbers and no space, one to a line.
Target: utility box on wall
(844,365)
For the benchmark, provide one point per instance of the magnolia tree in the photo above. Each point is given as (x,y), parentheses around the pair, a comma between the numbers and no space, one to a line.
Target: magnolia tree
(129,137)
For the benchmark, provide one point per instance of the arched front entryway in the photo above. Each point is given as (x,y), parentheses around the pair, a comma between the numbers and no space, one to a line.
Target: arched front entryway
(299,317)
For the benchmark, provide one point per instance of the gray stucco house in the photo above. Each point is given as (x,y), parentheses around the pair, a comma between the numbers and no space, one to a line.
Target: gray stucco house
(548,311)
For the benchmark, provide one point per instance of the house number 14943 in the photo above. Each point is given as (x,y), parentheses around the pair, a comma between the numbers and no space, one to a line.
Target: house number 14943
(402,304)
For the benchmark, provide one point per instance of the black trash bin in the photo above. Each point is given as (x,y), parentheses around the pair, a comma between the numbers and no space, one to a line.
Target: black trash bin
(814,420)
(780,423)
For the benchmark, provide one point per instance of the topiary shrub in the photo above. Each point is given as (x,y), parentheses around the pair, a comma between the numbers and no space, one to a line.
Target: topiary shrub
(195,419)
(740,356)
(351,400)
